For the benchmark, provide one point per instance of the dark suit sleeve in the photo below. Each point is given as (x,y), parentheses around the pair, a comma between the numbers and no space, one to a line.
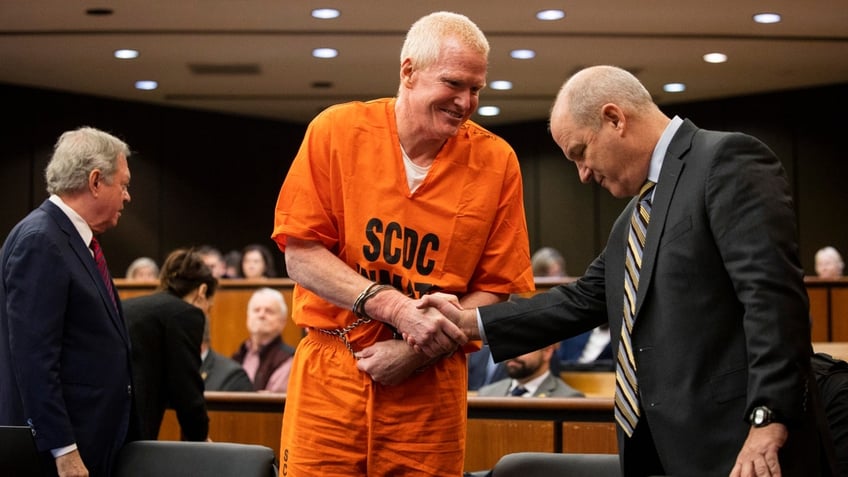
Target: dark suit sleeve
(523,325)
(752,218)
(37,291)
(184,333)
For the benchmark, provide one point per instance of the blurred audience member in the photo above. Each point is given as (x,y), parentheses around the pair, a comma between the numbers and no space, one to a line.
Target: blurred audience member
(214,260)
(264,356)
(166,329)
(548,262)
(257,262)
(829,263)
(220,373)
(232,262)
(483,370)
(143,268)
(530,376)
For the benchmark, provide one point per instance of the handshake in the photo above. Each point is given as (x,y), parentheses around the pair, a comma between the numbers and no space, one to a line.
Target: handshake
(435,324)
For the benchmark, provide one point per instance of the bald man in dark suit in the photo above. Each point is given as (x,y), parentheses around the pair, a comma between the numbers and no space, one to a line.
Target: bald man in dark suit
(721,332)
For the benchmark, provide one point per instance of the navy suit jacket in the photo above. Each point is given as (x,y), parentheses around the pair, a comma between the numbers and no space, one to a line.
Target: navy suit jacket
(64,349)
(722,321)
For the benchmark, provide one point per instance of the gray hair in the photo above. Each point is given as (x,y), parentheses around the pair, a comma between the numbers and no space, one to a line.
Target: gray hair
(275,294)
(589,89)
(79,152)
(424,40)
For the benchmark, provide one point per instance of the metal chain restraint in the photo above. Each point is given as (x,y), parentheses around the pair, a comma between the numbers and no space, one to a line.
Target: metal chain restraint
(358,309)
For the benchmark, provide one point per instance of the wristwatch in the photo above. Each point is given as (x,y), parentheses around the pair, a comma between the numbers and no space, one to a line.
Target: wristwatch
(761,416)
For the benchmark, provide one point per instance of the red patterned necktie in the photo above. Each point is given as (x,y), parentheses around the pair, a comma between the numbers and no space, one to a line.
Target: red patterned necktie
(100,260)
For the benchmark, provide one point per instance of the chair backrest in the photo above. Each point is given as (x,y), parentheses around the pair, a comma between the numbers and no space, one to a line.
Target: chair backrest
(545,464)
(18,454)
(195,459)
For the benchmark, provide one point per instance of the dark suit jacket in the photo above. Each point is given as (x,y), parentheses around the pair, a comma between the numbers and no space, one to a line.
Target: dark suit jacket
(221,373)
(721,314)
(64,350)
(551,387)
(166,332)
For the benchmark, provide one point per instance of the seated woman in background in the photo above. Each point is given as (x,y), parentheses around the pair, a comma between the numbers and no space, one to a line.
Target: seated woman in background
(257,262)
(143,268)
(166,329)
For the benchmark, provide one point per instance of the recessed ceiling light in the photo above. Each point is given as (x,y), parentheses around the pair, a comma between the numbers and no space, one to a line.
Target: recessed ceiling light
(715,57)
(522,54)
(126,54)
(326,13)
(488,110)
(674,88)
(767,18)
(550,15)
(325,52)
(146,85)
(501,85)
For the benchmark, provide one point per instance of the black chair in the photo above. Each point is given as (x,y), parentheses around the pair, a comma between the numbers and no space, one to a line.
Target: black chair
(195,459)
(545,464)
(18,454)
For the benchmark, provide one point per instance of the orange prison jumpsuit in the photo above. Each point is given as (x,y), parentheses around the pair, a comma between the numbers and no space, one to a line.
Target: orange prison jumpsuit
(462,230)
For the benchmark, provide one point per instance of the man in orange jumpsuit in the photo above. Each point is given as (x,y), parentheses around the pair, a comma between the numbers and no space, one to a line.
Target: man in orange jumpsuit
(386,201)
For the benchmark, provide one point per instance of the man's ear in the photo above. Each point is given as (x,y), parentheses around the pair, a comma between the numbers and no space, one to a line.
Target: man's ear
(95,180)
(613,115)
(406,72)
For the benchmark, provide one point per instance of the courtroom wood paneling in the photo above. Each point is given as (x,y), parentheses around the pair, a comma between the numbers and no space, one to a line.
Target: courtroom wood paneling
(819,312)
(839,313)
(228,314)
(490,439)
(589,438)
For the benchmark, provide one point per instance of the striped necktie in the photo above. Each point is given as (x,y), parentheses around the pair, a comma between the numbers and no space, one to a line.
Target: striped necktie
(100,260)
(626,389)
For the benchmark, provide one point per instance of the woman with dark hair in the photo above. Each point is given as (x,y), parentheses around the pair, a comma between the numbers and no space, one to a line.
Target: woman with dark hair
(166,330)
(257,262)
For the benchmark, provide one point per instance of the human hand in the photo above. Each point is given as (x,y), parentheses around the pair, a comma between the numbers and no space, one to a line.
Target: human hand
(389,362)
(71,465)
(758,456)
(426,328)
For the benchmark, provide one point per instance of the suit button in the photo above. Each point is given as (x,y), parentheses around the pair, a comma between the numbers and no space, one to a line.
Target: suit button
(129,389)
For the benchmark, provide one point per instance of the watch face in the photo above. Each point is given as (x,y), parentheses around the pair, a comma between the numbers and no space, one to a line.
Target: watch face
(759,416)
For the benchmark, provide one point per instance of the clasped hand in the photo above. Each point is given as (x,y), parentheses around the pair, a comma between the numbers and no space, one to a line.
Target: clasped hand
(427,329)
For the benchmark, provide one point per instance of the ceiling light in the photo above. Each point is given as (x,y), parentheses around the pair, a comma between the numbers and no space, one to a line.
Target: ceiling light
(325,13)
(501,85)
(550,15)
(674,88)
(767,18)
(715,57)
(488,110)
(146,85)
(522,54)
(325,52)
(126,54)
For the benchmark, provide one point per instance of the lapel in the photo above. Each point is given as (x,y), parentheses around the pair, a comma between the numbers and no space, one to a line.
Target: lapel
(83,254)
(673,165)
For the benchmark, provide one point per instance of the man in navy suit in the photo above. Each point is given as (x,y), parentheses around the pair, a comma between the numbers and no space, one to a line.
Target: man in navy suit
(64,349)
(721,334)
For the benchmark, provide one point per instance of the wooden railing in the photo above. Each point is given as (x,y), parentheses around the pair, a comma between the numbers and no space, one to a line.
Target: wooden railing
(828,308)
(496,426)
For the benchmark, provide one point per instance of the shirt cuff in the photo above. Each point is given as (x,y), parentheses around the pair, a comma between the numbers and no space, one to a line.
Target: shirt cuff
(58,452)
(480,328)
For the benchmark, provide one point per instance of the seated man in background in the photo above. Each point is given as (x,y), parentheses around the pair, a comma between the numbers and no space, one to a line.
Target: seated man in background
(829,263)
(264,356)
(219,372)
(530,376)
